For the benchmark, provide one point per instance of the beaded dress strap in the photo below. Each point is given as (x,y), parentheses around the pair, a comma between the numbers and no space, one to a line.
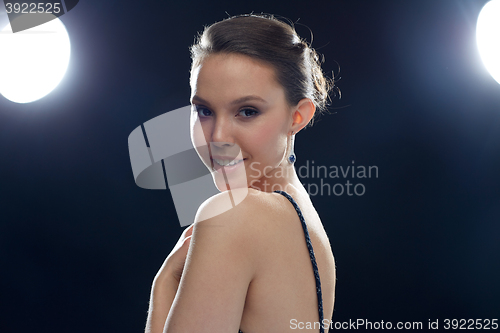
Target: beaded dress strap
(311,255)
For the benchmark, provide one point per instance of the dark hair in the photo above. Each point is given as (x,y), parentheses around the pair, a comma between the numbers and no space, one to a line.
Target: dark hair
(263,37)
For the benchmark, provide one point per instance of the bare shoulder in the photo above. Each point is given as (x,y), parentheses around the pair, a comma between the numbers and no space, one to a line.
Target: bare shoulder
(225,255)
(248,216)
(225,206)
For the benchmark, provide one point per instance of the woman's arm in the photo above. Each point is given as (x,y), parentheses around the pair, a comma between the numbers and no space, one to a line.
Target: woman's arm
(222,260)
(166,283)
(162,297)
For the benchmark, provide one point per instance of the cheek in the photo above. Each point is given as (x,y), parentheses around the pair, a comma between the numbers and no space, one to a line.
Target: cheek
(269,143)
(198,139)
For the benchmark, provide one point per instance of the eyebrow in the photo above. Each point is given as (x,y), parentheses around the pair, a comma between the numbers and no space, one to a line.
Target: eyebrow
(236,101)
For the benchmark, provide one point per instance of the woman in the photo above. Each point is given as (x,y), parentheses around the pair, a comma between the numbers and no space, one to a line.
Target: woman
(255,84)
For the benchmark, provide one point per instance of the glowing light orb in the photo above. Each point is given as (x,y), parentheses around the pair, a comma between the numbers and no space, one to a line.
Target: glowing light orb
(488,37)
(34,61)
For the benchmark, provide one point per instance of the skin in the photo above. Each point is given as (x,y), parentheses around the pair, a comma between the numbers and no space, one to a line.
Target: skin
(260,127)
(242,268)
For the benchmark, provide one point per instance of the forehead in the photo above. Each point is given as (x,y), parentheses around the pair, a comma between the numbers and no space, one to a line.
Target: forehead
(230,75)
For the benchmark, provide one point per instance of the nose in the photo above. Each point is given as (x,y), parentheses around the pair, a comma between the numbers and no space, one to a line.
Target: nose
(222,133)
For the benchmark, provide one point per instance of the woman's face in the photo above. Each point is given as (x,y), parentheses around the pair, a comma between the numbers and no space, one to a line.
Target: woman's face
(239,105)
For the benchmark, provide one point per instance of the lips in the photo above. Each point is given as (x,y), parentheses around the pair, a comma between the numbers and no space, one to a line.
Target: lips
(225,163)
(228,163)
(222,157)
(226,160)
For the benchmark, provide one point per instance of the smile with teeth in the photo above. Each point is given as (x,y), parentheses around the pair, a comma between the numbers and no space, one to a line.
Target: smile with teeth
(226,162)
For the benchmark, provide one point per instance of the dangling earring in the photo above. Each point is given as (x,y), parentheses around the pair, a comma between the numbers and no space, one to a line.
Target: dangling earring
(291,158)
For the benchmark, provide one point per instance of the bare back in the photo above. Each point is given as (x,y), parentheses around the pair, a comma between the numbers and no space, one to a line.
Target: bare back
(282,295)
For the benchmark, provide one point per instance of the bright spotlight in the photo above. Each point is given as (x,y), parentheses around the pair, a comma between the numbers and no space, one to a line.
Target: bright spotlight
(34,61)
(488,37)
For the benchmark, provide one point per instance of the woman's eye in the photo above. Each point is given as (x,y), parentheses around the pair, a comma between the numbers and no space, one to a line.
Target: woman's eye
(203,111)
(247,113)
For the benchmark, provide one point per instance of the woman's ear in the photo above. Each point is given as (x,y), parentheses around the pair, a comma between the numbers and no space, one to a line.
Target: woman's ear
(302,114)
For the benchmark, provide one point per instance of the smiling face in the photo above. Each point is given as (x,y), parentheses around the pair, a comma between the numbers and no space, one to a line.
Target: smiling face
(238,104)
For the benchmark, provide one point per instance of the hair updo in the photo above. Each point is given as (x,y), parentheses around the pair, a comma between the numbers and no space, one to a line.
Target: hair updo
(263,37)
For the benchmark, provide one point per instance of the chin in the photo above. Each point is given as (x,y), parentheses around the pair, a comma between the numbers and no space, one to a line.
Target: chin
(230,180)
(231,184)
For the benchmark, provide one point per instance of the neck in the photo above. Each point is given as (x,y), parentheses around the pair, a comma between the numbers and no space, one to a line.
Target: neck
(283,178)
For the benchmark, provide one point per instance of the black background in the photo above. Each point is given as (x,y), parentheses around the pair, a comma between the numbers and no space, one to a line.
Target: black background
(80,243)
